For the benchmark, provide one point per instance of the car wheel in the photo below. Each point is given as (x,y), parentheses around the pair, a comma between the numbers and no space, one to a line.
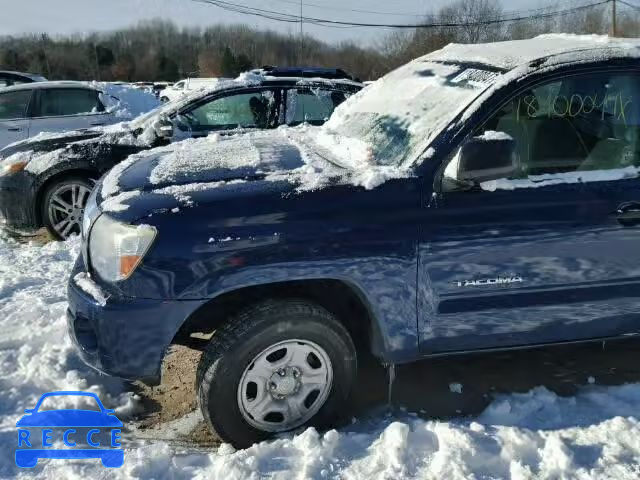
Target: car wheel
(275,367)
(63,206)
(164,99)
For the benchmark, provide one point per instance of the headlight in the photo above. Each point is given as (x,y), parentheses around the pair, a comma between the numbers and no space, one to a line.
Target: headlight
(116,249)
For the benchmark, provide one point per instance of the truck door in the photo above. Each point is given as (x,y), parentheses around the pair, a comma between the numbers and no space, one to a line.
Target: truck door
(550,252)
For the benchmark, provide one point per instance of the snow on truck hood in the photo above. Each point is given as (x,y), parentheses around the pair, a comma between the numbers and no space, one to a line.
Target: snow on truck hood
(208,159)
(194,165)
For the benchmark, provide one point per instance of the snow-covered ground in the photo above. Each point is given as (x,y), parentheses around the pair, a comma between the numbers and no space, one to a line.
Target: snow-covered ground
(595,434)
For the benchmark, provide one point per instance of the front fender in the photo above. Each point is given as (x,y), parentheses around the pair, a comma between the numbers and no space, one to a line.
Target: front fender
(366,239)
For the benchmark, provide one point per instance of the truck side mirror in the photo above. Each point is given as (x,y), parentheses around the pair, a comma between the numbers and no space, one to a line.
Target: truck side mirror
(488,157)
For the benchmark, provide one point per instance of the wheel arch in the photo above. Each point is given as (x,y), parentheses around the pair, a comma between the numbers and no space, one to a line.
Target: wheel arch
(342,298)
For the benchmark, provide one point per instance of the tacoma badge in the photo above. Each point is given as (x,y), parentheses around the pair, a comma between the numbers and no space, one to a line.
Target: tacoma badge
(489,281)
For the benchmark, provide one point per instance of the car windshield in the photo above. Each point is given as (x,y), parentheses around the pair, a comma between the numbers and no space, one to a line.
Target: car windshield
(393,121)
(165,109)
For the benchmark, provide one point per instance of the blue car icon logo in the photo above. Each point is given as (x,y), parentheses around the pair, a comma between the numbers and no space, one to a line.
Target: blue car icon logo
(82,433)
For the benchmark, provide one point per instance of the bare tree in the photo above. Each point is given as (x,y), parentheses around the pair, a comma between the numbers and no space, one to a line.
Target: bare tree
(474,13)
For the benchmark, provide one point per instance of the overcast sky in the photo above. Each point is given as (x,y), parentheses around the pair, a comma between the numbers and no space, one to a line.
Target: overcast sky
(70,16)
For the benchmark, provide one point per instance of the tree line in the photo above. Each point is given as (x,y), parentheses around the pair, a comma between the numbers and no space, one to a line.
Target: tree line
(158,50)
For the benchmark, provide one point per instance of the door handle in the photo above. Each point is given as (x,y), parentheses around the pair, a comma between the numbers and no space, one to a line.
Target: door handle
(14,129)
(628,214)
(96,124)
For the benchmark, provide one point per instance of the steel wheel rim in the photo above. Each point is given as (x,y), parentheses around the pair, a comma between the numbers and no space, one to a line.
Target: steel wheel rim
(66,208)
(285,385)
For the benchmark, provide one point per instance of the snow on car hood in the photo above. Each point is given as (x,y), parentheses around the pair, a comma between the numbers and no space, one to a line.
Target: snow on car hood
(292,155)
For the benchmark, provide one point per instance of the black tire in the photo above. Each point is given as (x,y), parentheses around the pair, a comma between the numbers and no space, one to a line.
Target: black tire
(255,329)
(47,200)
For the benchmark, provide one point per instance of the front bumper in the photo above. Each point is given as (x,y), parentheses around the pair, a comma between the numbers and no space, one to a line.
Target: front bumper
(127,337)
(17,204)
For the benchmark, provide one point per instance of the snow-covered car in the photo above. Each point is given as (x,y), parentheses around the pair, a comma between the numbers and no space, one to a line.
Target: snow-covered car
(188,85)
(31,108)
(45,181)
(479,198)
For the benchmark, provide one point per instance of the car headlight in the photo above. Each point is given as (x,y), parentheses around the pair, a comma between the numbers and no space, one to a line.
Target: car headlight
(116,249)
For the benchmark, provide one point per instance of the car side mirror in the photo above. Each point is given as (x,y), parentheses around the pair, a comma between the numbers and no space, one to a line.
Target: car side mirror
(163,128)
(29,410)
(490,156)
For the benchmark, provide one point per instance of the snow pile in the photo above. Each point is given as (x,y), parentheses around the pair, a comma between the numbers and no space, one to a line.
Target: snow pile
(455,388)
(110,185)
(125,101)
(328,156)
(117,202)
(183,193)
(535,435)
(189,159)
(491,135)
(537,181)
(513,53)
(86,283)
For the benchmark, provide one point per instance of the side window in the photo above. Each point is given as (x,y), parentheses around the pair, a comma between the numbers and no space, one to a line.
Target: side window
(58,102)
(13,105)
(243,110)
(313,106)
(579,123)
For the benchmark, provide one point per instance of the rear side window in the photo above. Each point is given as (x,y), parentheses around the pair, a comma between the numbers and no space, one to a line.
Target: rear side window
(313,106)
(13,105)
(58,102)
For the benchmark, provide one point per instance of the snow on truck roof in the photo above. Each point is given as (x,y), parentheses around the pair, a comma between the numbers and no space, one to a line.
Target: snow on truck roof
(510,54)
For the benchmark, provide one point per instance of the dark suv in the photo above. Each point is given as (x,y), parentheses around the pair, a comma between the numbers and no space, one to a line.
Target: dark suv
(46,181)
(482,197)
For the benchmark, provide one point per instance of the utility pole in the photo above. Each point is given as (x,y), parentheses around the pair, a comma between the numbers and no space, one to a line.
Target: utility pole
(95,51)
(614,31)
(301,33)
(44,40)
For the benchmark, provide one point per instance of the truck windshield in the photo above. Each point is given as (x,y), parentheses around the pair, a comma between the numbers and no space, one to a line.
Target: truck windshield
(393,121)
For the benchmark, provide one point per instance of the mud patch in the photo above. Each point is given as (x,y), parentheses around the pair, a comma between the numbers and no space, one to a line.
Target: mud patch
(170,409)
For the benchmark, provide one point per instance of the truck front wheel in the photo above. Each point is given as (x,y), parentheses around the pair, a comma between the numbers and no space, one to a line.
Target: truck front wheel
(275,367)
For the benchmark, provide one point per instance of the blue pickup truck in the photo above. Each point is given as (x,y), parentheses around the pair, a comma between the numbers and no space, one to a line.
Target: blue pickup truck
(481,197)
